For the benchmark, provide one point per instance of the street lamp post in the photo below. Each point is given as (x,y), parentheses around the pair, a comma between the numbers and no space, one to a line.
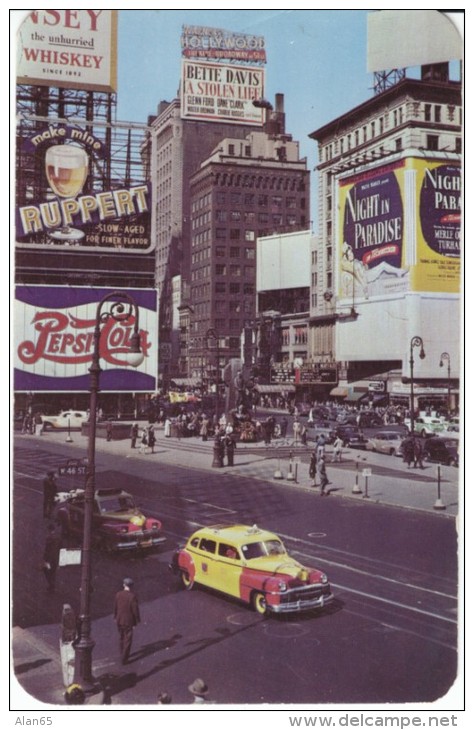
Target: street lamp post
(211,333)
(445,356)
(415,342)
(122,309)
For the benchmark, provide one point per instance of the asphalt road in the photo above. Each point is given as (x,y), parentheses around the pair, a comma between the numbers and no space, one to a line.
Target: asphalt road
(390,636)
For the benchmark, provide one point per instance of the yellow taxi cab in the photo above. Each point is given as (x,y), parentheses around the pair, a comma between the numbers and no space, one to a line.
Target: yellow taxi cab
(250,564)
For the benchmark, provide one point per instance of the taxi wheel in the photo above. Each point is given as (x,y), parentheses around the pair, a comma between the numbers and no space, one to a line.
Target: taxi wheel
(186,580)
(259,603)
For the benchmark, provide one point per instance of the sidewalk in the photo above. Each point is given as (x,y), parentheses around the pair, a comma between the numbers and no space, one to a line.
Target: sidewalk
(35,651)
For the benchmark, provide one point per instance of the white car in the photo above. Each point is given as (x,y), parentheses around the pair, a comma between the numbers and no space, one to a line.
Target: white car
(425,425)
(65,420)
(386,442)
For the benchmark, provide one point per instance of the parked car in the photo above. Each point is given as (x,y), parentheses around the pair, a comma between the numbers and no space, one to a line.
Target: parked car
(117,523)
(442,450)
(386,442)
(252,565)
(425,425)
(347,419)
(369,420)
(351,436)
(67,419)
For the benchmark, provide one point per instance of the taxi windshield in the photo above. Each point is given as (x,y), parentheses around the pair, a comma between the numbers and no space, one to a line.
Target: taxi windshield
(122,504)
(261,549)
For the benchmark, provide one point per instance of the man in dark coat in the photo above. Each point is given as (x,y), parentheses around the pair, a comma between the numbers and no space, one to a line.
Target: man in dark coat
(49,493)
(134,435)
(52,548)
(127,616)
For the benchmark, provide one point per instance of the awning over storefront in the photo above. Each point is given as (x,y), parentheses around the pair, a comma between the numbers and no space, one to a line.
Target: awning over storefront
(276,388)
(352,397)
(186,382)
(339,391)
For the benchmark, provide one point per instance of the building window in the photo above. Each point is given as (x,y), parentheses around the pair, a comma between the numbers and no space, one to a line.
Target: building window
(427,112)
(234,324)
(221,215)
(235,215)
(263,217)
(314,300)
(249,235)
(221,270)
(398,144)
(437,113)
(220,251)
(220,287)
(432,142)
(458,145)
(235,198)
(220,198)
(235,234)
(235,270)
(221,232)
(234,252)
(249,289)
(232,150)
(234,306)
(234,288)
(249,253)
(372,129)
(329,280)
(249,199)
(314,258)
(314,279)
(248,150)
(381,125)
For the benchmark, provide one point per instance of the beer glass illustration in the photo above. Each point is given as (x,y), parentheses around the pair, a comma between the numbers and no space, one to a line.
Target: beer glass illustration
(66,169)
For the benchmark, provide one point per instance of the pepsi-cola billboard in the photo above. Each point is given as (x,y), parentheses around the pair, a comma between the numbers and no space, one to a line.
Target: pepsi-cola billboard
(54,340)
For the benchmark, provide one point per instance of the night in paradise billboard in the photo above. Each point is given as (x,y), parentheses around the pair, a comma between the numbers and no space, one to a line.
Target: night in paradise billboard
(399,229)
(54,340)
(74,49)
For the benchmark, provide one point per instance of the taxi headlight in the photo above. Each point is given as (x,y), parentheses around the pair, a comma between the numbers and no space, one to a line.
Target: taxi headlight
(324,578)
(282,586)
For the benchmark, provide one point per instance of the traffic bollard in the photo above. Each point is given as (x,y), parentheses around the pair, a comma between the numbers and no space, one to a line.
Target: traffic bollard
(356,489)
(277,474)
(366,473)
(439,503)
(291,475)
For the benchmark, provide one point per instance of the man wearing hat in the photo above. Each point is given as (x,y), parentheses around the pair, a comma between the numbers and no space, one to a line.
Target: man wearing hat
(49,493)
(127,616)
(200,691)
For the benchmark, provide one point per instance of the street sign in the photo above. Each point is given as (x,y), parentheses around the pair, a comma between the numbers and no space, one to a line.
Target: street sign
(72,468)
(366,472)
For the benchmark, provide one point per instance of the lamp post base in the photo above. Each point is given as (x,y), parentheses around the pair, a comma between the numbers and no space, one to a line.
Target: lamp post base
(83,665)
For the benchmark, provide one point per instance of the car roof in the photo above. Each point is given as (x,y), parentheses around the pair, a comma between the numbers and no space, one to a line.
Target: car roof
(237,533)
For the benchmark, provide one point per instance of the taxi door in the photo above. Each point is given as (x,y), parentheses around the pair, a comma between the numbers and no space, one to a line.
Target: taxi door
(229,569)
(205,560)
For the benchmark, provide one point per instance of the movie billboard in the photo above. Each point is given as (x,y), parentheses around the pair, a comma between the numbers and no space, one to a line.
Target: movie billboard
(54,340)
(221,93)
(74,49)
(399,229)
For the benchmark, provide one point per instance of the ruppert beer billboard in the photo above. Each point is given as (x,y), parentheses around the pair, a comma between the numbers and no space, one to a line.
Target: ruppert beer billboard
(213,90)
(76,209)
(399,229)
(75,49)
(54,341)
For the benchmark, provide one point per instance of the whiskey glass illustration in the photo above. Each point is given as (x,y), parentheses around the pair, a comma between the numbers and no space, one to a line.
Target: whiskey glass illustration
(67,167)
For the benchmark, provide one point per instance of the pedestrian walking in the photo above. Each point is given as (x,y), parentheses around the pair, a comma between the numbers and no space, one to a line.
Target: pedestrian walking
(127,616)
(296,430)
(418,453)
(109,430)
(204,428)
(284,426)
(320,447)
(49,494)
(408,448)
(51,551)
(229,445)
(143,441)
(337,449)
(151,438)
(199,690)
(168,428)
(312,469)
(134,435)
(323,477)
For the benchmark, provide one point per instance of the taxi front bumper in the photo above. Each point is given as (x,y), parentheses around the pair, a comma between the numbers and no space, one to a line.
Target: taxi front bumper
(301,600)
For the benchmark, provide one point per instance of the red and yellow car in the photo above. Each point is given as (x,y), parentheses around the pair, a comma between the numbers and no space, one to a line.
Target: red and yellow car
(252,565)
(117,523)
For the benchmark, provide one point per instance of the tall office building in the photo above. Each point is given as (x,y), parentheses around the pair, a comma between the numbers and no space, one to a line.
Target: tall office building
(244,190)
